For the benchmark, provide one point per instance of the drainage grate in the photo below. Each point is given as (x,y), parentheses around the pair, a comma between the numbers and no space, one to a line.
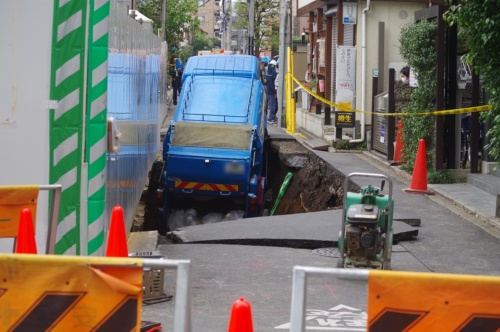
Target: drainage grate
(329,252)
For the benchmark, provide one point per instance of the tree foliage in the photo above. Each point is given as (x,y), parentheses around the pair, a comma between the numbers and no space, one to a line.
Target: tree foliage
(266,22)
(181,17)
(202,42)
(417,47)
(479,26)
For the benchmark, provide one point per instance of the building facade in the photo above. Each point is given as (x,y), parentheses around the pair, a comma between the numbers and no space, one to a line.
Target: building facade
(350,42)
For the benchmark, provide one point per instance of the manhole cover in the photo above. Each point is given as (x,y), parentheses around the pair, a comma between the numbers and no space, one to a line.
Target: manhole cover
(329,252)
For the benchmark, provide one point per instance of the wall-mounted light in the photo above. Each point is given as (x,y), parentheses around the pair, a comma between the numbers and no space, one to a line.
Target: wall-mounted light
(304,34)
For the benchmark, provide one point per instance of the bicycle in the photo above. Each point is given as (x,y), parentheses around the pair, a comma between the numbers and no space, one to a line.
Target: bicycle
(465,136)
(464,147)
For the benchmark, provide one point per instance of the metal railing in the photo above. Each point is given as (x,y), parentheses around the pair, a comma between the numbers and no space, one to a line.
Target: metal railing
(299,289)
(182,314)
(54,215)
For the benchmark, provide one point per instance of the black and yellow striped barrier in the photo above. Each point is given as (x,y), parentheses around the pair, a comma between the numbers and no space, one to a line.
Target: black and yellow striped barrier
(473,109)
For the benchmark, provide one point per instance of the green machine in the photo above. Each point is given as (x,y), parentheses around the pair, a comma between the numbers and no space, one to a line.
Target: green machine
(365,238)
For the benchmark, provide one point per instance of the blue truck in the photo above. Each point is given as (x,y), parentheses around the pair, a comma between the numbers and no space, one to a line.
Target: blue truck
(213,151)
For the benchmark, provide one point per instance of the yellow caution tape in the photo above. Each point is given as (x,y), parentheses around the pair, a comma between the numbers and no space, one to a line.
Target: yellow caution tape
(473,109)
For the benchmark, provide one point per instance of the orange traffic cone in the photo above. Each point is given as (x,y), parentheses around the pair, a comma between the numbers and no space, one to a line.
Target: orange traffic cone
(117,237)
(418,184)
(398,149)
(241,317)
(26,243)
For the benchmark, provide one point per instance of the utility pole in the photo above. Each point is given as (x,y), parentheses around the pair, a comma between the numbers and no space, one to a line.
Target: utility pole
(226,25)
(282,58)
(163,24)
(163,20)
(251,23)
(223,26)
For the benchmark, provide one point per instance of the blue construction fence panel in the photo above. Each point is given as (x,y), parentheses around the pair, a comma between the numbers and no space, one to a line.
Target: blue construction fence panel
(134,81)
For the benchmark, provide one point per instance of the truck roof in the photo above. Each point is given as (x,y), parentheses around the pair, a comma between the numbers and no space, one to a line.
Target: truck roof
(222,65)
(217,99)
(220,89)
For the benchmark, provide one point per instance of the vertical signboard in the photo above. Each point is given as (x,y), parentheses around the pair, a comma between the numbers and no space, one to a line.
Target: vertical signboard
(349,12)
(345,86)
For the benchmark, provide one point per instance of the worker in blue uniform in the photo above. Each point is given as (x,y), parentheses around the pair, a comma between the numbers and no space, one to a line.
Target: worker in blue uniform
(264,61)
(271,92)
(176,70)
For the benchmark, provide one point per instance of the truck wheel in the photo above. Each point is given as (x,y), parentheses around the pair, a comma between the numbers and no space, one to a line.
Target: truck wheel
(162,225)
(152,213)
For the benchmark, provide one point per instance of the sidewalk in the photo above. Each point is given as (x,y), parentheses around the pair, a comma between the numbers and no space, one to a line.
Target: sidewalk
(468,201)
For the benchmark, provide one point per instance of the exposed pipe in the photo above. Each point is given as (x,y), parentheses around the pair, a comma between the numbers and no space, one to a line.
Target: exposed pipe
(363,74)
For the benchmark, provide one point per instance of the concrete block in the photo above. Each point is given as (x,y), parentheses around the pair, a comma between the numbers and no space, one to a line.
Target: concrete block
(489,167)
(497,210)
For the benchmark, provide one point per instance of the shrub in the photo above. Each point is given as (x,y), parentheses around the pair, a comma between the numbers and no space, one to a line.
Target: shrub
(441,176)
(418,41)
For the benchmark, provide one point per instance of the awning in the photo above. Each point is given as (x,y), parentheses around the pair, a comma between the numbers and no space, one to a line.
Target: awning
(331,12)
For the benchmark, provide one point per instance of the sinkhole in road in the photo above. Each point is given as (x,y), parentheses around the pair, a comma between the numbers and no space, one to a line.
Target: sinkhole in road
(314,186)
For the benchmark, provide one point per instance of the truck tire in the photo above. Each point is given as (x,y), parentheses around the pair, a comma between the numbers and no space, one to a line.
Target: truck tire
(152,213)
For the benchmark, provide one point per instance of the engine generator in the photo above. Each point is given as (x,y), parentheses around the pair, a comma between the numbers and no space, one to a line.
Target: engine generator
(365,238)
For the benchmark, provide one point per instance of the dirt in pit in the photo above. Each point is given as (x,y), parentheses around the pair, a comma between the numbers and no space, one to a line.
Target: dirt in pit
(314,186)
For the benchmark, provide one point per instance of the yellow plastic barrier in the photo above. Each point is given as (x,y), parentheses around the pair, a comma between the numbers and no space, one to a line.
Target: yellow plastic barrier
(411,301)
(432,302)
(76,293)
(14,198)
(60,293)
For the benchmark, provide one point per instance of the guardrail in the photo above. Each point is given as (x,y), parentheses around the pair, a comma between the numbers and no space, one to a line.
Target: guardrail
(299,289)
(182,314)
